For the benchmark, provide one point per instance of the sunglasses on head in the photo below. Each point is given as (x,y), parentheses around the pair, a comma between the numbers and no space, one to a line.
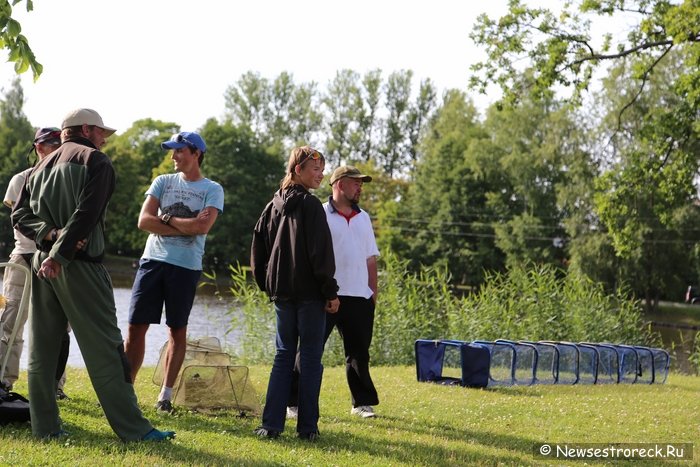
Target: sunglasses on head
(178,138)
(314,155)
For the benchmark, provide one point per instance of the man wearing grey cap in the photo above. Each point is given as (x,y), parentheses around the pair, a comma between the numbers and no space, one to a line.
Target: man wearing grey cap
(62,207)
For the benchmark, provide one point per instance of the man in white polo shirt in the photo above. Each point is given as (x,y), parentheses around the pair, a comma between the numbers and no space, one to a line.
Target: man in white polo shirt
(356,254)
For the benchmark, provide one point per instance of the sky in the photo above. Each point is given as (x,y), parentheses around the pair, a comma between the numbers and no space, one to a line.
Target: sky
(173,60)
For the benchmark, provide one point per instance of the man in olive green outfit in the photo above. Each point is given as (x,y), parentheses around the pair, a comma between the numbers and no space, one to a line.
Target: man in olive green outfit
(62,207)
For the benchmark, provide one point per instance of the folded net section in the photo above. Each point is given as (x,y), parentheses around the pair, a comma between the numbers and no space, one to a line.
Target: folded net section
(540,362)
(547,368)
(216,387)
(503,362)
(569,361)
(204,351)
(452,362)
(662,363)
(209,379)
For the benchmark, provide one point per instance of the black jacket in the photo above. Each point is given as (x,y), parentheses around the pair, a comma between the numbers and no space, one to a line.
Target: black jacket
(292,252)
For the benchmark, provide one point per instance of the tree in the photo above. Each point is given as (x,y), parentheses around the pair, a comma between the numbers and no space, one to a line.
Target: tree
(280,114)
(651,150)
(246,103)
(16,135)
(342,102)
(17,45)
(562,52)
(418,116)
(647,196)
(394,149)
(364,139)
(434,225)
(531,146)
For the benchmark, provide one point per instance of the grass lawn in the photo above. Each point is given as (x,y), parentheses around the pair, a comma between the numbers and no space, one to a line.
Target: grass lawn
(418,424)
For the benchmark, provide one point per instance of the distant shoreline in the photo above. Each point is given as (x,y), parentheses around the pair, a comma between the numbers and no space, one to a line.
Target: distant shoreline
(122,270)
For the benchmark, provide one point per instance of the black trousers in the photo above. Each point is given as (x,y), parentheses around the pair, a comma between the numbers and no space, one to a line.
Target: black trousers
(355,323)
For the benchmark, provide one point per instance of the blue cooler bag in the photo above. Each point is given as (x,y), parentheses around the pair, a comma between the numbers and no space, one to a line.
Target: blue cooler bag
(433,356)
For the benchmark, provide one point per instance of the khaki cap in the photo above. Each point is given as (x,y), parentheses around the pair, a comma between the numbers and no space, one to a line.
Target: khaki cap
(79,117)
(350,172)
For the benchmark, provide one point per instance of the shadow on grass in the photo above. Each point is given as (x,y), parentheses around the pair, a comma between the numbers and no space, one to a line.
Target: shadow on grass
(414,441)
(105,444)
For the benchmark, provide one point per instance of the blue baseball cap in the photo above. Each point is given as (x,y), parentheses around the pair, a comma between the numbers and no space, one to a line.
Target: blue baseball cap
(185,139)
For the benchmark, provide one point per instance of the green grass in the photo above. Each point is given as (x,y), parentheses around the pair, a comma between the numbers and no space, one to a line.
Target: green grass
(419,424)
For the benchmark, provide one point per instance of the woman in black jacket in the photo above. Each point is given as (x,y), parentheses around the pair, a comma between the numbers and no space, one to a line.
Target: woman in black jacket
(293,262)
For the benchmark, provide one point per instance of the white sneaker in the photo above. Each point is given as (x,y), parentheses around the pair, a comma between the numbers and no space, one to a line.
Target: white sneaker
(364,411)
(292,413)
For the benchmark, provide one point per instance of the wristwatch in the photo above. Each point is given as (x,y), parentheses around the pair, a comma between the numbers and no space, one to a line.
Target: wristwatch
(165,218)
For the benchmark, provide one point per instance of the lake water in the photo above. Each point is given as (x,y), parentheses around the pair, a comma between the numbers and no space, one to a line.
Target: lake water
(208,318)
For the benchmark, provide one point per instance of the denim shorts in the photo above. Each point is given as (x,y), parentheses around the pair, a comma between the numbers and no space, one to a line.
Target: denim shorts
(157,284)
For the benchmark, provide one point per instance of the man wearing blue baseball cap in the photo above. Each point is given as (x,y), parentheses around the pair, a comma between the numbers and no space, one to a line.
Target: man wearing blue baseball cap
(178,212)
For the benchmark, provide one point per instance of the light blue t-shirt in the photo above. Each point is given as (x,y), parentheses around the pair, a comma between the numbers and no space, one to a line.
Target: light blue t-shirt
(181,198)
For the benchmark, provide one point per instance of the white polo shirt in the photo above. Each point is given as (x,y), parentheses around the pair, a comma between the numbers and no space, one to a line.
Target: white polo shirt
(353,244)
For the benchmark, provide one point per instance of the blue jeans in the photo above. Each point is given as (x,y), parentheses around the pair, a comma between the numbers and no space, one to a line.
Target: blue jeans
(302,323)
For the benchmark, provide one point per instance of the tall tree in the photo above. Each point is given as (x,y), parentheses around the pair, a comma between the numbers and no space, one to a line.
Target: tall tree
(418,115)
(364,139)
(647,195)
(280,114)
(246,103)
(434,224)
(342,103)
(394,154)
(649,178)
(530,145)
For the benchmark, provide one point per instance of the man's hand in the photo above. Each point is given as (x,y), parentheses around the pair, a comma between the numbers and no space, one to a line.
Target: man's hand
(332,305)
(49,269)
(81,244)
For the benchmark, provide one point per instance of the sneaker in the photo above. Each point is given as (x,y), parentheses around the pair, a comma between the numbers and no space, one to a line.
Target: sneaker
(157,435)
(265,433)
(292,413)
(60,395)
(364,411)
(311,436)
(164,406)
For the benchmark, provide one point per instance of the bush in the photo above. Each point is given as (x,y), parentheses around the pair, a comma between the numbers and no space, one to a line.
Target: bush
(541,303)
